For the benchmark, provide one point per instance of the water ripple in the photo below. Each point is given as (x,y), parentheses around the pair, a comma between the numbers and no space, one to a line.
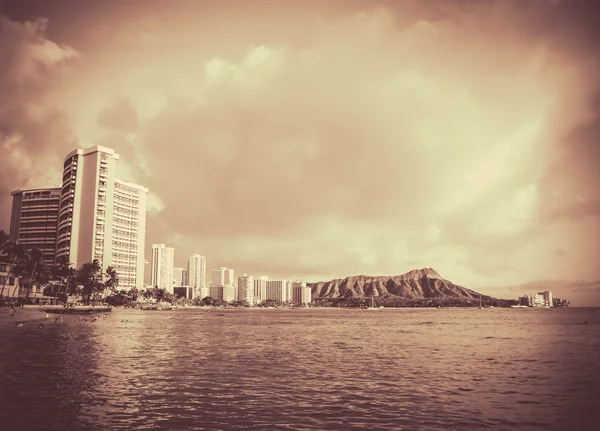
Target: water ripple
(305,370)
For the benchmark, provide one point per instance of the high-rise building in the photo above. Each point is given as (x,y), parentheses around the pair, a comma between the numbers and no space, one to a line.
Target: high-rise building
(246,289)
(102,217)
(34,220)
(300,293)
(178,277)
(185,279)
(162,266)
(197,275)
(548,300)
(260,289)
(128,233)
(222,284)
(277,290)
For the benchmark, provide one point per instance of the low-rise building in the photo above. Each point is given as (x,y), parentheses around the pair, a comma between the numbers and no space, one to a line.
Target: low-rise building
(186,292)
(8,281)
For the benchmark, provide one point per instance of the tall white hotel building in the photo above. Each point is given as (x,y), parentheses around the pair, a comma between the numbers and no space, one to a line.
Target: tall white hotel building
(102,217)
(197,275)
(163,260)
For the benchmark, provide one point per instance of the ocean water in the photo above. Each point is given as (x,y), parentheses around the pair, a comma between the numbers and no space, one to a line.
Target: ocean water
(334,369)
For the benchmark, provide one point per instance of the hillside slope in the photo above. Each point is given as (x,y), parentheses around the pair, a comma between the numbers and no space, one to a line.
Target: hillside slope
(418,283)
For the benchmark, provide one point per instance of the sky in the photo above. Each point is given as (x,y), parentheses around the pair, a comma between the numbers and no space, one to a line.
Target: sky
(320,139)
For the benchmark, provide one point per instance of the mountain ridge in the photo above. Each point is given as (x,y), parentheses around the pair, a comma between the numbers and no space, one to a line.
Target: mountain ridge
(425,283)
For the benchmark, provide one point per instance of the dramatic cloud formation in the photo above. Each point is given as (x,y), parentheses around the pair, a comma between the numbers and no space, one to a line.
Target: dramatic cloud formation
(34,129)
(320,141)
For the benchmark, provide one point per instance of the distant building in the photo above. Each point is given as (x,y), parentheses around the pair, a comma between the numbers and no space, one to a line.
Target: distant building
(260,289)
(216,292)
(525,300)
(186,292)
(185,279)
(246,289)
(277,290)
(541,299)
(102,217)
(229,293)
(300,293)
(162,266)
(222,284)
(178,277)
(34,220)
(197,275)
(7,280)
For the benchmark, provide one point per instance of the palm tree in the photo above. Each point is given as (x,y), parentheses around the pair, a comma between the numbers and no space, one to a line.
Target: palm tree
(90,276)
(64,273)
(34,268)
(112,280)
(15,254)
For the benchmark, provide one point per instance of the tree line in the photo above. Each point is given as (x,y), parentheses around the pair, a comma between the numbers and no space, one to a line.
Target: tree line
(59,280)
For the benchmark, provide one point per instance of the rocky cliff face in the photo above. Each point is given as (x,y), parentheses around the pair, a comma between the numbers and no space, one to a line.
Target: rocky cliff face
(418,283)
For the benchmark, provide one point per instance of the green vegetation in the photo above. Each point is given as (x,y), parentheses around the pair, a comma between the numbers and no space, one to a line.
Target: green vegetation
(400,302)
(59,280)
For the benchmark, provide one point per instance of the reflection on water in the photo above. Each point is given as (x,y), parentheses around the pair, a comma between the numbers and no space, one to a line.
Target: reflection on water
(305,369)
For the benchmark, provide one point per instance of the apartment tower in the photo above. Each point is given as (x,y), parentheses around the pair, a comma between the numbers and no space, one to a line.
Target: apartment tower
(300,293)
(277,290)
(222,284)
(178,277)
(163,258)
(34,220)
(102,217)
(260,289)
(197,275)
(246,289)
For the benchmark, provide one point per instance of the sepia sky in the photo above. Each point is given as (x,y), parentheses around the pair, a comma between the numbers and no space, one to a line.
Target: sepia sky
(320,139)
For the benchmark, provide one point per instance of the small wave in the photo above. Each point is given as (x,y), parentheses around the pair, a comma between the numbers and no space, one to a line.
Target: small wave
(528,402)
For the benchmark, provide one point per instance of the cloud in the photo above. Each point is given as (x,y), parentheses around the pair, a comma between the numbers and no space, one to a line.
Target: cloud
(368,140)
(35,132)
(577,209)
(121,117)
(443,133)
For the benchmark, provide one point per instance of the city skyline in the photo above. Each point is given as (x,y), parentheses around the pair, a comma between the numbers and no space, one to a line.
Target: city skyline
(294,143)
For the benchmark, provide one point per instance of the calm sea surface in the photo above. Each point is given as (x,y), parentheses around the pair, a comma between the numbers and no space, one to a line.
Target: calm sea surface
(463,369)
